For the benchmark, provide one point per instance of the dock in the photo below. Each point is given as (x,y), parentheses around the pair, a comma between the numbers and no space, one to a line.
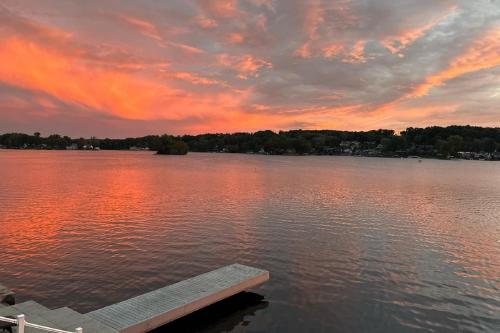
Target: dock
(157,308)
(148,311)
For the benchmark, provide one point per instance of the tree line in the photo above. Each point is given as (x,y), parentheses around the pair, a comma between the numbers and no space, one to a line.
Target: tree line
(444,142)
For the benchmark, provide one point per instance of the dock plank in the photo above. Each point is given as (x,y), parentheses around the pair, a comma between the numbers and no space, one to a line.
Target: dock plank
(62,318)
(68,319)
(33,315)
(159,307)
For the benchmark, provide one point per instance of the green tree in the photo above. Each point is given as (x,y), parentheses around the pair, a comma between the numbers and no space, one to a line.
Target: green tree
(55,141)
(488,145)
(301,146)
(455,144)
(443,148)
(36,138)
(171,146)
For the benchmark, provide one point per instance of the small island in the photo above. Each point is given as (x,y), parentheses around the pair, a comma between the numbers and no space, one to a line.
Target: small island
(168,145)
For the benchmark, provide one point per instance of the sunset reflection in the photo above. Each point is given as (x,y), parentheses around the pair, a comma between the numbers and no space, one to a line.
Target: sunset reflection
(338,232)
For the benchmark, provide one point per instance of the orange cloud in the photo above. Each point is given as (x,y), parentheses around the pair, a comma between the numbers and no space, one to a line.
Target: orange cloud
(357,54)
(325,39)
(246,65)
(314,17)
(275,119)
(354,55)
(186,48)
(219,8)
(304,51)
(149,30)
(192,78)
(206,23)
(71,80)
(67,80)
(235,38)
(396,43)
(15,24)
(319,30)
(484,53)
(333,50)
(146,28)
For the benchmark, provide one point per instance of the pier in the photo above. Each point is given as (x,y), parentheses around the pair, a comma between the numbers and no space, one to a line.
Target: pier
(141,313)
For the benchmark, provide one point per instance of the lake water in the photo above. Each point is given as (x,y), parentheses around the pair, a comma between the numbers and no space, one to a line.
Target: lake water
(352,244)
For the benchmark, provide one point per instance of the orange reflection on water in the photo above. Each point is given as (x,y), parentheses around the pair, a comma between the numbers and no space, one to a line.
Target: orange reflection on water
(326,225)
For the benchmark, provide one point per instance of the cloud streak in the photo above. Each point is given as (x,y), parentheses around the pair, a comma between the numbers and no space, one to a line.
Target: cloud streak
(483,54)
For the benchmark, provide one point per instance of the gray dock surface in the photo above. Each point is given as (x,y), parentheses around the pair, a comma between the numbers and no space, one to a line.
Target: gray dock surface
(62,318)
(149,311)
(157,308)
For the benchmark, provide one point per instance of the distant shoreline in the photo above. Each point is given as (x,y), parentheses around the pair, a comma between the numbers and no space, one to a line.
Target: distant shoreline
(419,158)
(452,142)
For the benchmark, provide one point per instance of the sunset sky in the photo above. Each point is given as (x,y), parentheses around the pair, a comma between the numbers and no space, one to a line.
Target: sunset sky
(121,68)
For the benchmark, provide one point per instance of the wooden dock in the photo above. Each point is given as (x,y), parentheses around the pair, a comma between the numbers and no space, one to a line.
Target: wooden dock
(157,308)
(63,319)
(149,311)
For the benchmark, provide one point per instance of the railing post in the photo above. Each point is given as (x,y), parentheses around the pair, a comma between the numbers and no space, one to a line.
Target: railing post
(21,321)
(79,330)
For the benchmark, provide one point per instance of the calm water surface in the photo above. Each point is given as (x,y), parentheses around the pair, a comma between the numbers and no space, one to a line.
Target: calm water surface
(352,244)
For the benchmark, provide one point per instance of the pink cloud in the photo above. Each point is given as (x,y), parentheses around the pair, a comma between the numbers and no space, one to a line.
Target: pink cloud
(304,51)
(235,38)
(219,8)
(402,39)
(145,27)
(192,78)
(246,65)
(333,50)
(357,54)
(483,53)
(206,23)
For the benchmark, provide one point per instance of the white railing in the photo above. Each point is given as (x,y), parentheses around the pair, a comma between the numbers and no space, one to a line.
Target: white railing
(22,323)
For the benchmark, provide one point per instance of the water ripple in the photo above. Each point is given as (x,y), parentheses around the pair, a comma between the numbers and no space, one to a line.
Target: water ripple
(353,244)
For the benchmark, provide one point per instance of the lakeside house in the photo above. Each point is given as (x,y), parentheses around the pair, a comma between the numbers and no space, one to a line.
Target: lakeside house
(349,147)
(90,147)
(134,148)
(468,155)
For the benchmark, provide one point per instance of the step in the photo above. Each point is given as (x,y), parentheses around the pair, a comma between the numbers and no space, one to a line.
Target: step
(62,319)
(68,319)
(32,317)
(31,307)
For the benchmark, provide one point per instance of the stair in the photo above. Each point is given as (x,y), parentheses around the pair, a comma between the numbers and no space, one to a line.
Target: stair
(62,318)
(31,307)
(32,315)
(69,319)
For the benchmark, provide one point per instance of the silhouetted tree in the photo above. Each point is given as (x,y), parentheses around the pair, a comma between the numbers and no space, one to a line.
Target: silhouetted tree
(170,146)
(455,144)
